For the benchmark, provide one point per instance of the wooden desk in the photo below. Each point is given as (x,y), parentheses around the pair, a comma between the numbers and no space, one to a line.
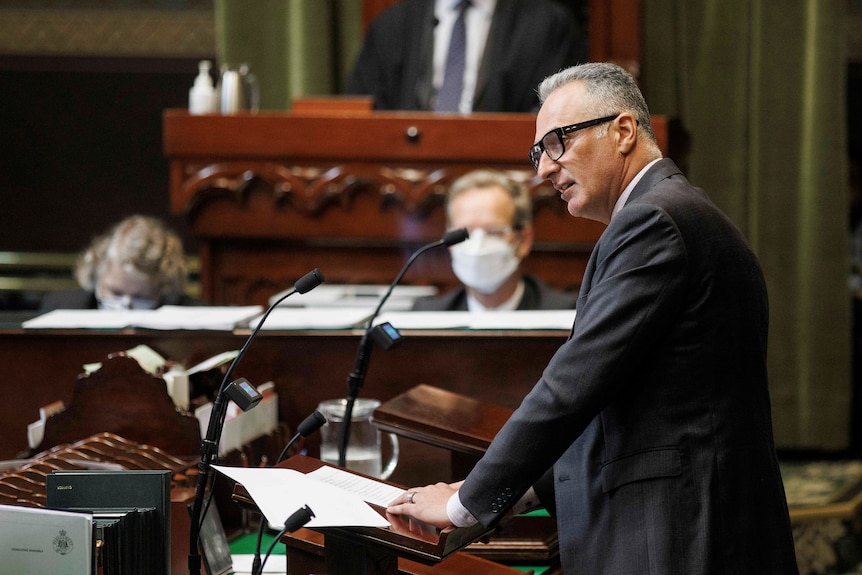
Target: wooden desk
(270,196)
(499,367)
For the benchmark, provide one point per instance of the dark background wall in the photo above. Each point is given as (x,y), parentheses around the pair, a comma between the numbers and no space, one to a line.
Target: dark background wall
(81,146)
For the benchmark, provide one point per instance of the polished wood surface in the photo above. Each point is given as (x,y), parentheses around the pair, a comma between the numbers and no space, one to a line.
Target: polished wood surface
(270,196)
(399,548)
(442,418)
(123,399)
(42,366)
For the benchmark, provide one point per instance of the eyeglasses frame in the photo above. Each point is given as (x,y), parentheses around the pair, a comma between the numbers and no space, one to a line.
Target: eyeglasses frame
(564,131)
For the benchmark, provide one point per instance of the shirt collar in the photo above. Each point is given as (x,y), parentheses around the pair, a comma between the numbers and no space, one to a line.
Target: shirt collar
(509,305)
(484,5)
(624,197)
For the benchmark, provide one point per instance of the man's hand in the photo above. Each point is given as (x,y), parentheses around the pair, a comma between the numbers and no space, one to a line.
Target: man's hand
(427,504)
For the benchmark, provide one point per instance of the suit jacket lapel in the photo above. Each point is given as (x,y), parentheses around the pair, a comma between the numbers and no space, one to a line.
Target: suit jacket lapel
(497,36)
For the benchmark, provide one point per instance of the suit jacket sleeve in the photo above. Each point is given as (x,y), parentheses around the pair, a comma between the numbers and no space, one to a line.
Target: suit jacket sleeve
(631,291)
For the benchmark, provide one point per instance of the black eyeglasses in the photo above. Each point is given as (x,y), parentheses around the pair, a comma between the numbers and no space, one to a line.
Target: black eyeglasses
(552,142)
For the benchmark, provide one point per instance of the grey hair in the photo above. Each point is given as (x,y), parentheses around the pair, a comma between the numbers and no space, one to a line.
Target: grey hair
(145,244)
(483,179)
(610,89)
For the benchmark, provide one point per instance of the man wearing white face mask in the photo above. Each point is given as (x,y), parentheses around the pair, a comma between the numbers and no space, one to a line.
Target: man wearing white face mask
(497,212)
(138,264)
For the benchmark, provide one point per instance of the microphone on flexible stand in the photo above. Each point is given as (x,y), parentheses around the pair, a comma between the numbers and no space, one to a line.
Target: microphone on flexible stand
(308,426)
(296,520)
(246,397)
(385,335)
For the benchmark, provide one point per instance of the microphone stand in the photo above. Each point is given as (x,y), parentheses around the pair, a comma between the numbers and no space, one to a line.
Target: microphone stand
(360,366)
(308,426)
(209,445)
(296,520)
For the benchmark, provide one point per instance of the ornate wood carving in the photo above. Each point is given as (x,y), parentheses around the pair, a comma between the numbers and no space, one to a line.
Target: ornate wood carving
(271,196)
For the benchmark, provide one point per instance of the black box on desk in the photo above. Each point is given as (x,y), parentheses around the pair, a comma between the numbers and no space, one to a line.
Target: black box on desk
(125,489)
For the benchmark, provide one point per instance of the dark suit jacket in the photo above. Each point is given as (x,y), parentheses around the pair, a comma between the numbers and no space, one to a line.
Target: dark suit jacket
(537,295)
(528,40)
(655,413)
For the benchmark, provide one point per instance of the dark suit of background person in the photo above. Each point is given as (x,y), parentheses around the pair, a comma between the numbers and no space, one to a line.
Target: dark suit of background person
(655,414)
(528,40)
(537,295)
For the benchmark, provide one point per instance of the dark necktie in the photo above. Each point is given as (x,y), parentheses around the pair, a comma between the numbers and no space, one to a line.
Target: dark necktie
(449,95)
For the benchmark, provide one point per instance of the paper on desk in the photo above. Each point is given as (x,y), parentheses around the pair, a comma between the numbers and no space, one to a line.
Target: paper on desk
(314,318)
(198,317)
(242,564)
(165,317)
(356,295)
(534,319)
(87,319)
(279,492)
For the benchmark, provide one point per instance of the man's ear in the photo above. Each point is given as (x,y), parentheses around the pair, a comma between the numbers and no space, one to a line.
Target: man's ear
(627,132)
(525,243)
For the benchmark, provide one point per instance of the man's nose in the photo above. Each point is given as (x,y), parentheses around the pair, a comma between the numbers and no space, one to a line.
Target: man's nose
(546,167)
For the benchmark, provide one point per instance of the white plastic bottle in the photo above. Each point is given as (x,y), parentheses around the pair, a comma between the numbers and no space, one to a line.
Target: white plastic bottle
(202,96)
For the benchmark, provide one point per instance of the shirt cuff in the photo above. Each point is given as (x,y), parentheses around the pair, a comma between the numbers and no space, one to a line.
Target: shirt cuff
(458,514)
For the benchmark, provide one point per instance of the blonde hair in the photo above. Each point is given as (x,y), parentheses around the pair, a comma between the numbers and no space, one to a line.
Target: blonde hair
(483,179)
(145,244)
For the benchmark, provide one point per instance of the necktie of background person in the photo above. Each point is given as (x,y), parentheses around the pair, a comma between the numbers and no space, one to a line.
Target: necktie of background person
(449,95)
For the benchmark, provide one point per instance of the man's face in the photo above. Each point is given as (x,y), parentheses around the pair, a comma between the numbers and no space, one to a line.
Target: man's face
(589,173)
(490,209)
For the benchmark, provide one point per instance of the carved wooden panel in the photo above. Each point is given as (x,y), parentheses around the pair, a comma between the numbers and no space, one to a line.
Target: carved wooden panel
(271,196)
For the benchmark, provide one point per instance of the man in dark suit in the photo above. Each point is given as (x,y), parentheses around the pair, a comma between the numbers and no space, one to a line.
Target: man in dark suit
(655,414)
(526,41)
(498,213)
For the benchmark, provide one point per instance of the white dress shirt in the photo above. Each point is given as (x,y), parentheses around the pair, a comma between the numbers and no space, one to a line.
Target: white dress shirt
(478,23)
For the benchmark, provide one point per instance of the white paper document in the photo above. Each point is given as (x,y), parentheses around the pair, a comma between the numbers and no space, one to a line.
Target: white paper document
(199,317)
(86,319)
(561,319)
(356,295)
(242,564)
(314,318)
(166,317)
(279,492)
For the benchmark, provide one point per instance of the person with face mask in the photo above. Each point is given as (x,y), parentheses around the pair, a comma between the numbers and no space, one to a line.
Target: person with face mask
(496,210)
(138,264)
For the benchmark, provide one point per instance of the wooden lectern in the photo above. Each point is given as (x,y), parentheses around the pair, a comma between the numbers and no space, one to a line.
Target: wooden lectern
(270,196)
(405,547)
(459,424)
(465,427)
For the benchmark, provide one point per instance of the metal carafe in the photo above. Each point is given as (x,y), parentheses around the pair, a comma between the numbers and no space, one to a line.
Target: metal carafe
(237,90)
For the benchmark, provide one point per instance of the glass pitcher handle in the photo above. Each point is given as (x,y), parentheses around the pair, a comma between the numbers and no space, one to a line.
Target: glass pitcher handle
(393,457)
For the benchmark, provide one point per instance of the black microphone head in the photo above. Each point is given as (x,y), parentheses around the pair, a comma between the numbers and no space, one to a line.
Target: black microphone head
(311,424)
(298,518)
(453,237)
(309,281)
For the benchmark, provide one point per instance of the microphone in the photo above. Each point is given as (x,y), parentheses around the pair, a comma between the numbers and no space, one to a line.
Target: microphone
(237,389)
(384,334)
(308,426)
(296,520)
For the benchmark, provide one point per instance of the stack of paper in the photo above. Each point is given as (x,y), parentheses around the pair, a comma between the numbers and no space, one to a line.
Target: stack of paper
(169,317)
(314,318)
(558,319)
(356,295)
(336,497)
